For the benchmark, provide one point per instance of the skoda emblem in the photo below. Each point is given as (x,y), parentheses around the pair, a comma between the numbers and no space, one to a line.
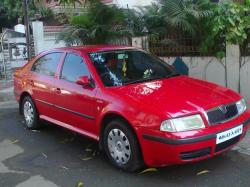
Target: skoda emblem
(223,109)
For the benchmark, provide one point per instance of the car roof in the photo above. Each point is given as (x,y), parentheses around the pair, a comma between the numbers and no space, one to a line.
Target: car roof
(93,48)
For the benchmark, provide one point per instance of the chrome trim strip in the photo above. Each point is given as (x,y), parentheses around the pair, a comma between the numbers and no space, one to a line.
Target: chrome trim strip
(215,108)
(44,102)
(67,110)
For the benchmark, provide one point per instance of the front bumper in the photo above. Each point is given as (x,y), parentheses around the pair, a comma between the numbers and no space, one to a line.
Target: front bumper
(161,149)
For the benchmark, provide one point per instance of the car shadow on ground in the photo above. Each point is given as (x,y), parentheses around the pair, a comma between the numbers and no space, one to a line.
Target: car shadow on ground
(90,147)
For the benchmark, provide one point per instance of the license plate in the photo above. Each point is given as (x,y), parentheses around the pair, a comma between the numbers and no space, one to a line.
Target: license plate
(229,134)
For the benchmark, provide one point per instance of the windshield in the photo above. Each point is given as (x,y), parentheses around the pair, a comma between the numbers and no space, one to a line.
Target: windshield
(122,67)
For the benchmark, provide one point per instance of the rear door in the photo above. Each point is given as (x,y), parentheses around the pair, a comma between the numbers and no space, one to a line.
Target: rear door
(75,104)
(42,79)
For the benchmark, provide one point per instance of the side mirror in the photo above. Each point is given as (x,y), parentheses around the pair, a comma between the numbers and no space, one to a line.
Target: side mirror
(84,81)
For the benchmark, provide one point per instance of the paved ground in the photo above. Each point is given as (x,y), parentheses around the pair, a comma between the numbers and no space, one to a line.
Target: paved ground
(6,91)
(56,157)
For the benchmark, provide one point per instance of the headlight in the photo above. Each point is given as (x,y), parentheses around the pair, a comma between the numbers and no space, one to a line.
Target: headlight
(241,106)
(182,124)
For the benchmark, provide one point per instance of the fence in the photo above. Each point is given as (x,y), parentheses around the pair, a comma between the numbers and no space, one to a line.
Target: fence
(13,52)
(126,41)
(179,45)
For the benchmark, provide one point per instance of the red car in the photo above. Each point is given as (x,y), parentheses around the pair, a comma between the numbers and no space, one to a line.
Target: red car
(138,107)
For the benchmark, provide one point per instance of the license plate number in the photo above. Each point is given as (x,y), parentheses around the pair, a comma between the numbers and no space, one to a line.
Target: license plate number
(229,134)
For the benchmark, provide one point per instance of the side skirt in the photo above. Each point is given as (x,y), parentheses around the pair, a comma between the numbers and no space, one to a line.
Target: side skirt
(67,126)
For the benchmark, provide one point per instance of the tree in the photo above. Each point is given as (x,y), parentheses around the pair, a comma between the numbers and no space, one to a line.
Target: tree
(151,19)
(70,2)
(99,24)
(232,21)
(187,16)
(10,10)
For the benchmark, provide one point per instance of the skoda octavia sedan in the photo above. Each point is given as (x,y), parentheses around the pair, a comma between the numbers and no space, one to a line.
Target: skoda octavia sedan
(139,108)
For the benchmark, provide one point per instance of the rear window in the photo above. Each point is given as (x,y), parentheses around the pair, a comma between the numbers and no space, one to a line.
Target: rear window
(47,65)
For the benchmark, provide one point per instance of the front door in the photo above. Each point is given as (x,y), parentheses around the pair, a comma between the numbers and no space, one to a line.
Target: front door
(75,104)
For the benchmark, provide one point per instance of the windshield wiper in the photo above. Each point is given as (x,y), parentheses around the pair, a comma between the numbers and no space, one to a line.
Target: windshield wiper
(151,79)
(173,75)
(142,80)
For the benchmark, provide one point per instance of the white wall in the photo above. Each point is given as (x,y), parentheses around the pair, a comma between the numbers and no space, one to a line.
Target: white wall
(50,41)
(44,40)
(205,68)
(213,70)
(245,78)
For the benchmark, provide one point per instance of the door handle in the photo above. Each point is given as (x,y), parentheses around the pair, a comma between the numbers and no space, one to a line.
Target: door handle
(58,90)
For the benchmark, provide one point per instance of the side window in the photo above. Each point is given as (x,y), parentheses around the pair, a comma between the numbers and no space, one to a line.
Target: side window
(47,64)
(73,68)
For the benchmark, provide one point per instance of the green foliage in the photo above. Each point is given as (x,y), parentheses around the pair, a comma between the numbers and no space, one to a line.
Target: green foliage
(232,21)
(14,8)
(100,24)
(173,16)
(45,12)
(10,10)
(209,25)
(187,16)
(150,20)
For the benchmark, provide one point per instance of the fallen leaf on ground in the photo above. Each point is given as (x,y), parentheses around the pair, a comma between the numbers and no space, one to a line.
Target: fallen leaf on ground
(80,184)
(35,131)
(15,141)
(94,153)
(149,170)
(68,140)
(64,167)
(88,150)
(44,155)
(86,158)
(202,172)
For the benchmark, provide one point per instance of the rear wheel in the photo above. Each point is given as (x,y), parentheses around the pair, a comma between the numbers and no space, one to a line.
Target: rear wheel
(121,146)
(30,114)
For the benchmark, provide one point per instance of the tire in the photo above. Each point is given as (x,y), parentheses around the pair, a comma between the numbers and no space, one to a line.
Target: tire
(121,146)
(30,114)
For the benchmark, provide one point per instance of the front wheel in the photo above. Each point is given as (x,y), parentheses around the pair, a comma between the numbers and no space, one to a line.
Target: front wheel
(121,146)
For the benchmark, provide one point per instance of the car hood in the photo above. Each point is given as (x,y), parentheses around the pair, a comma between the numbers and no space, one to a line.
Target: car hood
(177,96)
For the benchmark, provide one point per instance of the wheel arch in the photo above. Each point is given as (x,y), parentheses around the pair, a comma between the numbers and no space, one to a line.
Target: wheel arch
(108,117)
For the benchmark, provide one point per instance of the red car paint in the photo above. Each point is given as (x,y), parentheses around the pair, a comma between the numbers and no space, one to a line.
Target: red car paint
(143,105)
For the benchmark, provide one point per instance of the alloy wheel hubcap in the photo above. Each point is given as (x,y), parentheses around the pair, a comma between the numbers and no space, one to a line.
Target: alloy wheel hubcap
(28,112)
(119,146)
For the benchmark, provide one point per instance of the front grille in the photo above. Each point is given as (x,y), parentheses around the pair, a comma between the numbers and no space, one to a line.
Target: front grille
(227,144)
(222,113)
(195,154)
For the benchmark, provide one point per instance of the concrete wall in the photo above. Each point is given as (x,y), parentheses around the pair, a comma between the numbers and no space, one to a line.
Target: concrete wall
(245,78)
(205,68)
(44,40)
(214,70)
